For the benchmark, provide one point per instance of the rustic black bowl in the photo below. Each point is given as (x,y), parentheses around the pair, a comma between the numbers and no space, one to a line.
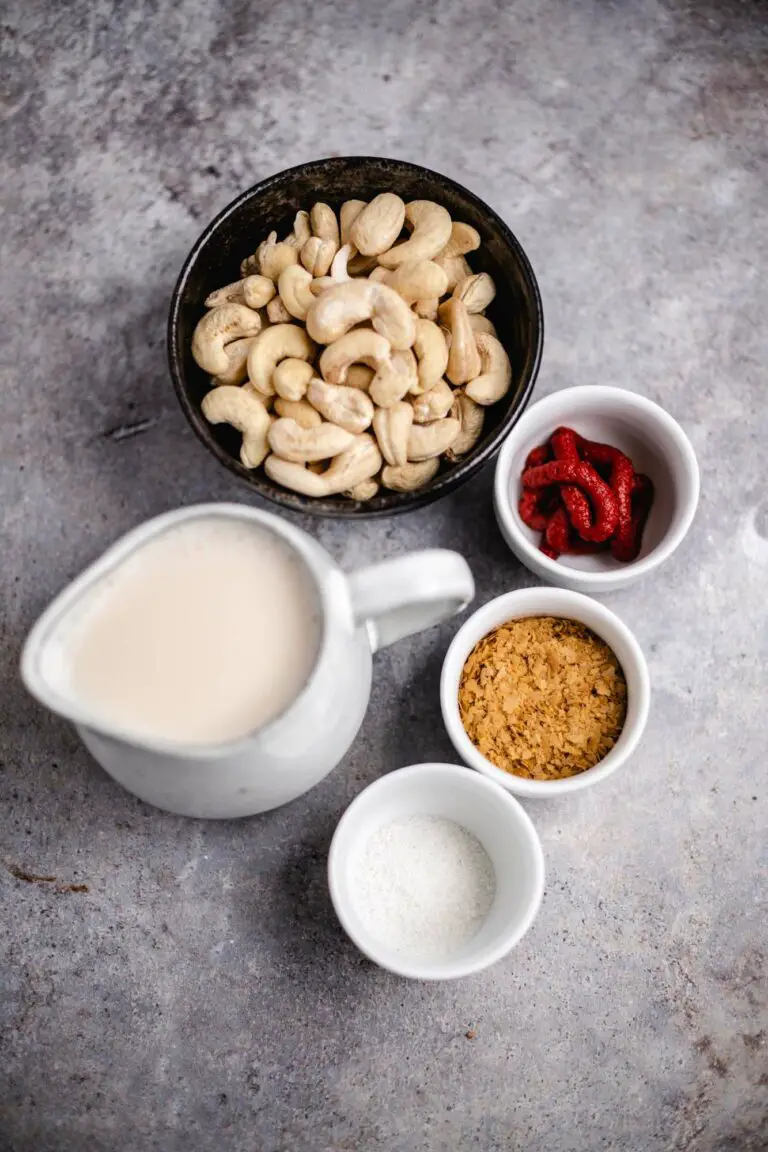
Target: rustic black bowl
(272,204)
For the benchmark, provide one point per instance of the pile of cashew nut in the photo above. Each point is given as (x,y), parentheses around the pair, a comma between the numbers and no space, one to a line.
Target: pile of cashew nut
(350,359)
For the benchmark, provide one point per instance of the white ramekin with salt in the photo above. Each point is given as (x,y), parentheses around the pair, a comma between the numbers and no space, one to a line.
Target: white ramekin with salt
(435,872)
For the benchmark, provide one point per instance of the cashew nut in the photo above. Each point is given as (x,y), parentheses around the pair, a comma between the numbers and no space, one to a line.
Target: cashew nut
(463,356)
(391,352)
(359,462)
(291,378)
(426,440)
(476,291)
(472,418)
(359,346)
(348,213)
(301,231)
(434,404)
(417,280)
(277,313)
(464,238)
(273,256)
(378,225)
(348,408)
(220,326)
(481,323)
(237,357)
(361,265)
(392,427)
(394,378)
(365,490)
(496,377)
(253,291)
(241,409)
(346,305)
(359,376)
(272,346)
(427,309)
(252,264)
(258,291)
(379,274)
(317,255)
(229,294)
(431,353)
(431,232)
(290,441)
(456,269)
(409,477)
(324,223)
(293,285)
(339,266)
(266,401)
(339,273)
(299,410)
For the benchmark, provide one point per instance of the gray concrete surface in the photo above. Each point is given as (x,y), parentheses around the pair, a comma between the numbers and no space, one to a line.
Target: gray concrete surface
(200,995)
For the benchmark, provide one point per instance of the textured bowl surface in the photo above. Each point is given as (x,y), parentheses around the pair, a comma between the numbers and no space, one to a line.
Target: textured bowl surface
(272,205)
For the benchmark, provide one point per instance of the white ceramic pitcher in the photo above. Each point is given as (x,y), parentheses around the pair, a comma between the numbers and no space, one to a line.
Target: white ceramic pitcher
(360,612)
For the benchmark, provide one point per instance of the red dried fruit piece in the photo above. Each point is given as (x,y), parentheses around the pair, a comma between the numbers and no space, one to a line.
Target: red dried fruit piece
(529,508)
(536,456)
(628,547)
(621,475)
(558,530)
(601,496)
(563,441)
(622,482)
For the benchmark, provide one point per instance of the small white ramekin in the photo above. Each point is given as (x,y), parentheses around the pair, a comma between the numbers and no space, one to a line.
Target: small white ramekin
(548,602)
(498,821)
(655,443)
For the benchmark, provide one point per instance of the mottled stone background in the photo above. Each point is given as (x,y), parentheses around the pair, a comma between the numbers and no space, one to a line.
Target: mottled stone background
(200,995)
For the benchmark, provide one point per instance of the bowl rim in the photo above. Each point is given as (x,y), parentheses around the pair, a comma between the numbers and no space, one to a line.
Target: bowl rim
(553,601)
(622,574)
(524,827)
(401,501)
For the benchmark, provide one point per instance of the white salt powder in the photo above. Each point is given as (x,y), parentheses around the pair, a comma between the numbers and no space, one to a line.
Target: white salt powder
(423,886)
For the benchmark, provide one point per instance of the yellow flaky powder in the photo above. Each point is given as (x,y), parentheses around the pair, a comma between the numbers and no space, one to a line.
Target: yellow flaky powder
(543,697)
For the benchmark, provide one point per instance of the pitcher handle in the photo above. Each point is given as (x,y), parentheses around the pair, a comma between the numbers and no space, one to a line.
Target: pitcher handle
(409,593)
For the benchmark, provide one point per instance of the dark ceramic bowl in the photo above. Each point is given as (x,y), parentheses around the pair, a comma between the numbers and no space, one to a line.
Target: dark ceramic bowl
(272,204)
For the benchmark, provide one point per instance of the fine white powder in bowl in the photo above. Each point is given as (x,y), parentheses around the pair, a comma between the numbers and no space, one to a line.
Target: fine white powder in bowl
(423,886)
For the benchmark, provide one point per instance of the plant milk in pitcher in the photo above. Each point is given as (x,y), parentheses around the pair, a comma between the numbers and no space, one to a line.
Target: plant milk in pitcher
(203,635)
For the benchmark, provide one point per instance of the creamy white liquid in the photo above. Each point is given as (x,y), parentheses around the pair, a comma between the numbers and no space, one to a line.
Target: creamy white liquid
(205,634)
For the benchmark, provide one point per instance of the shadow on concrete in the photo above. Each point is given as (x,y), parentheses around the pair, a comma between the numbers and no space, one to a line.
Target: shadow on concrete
(296,916)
